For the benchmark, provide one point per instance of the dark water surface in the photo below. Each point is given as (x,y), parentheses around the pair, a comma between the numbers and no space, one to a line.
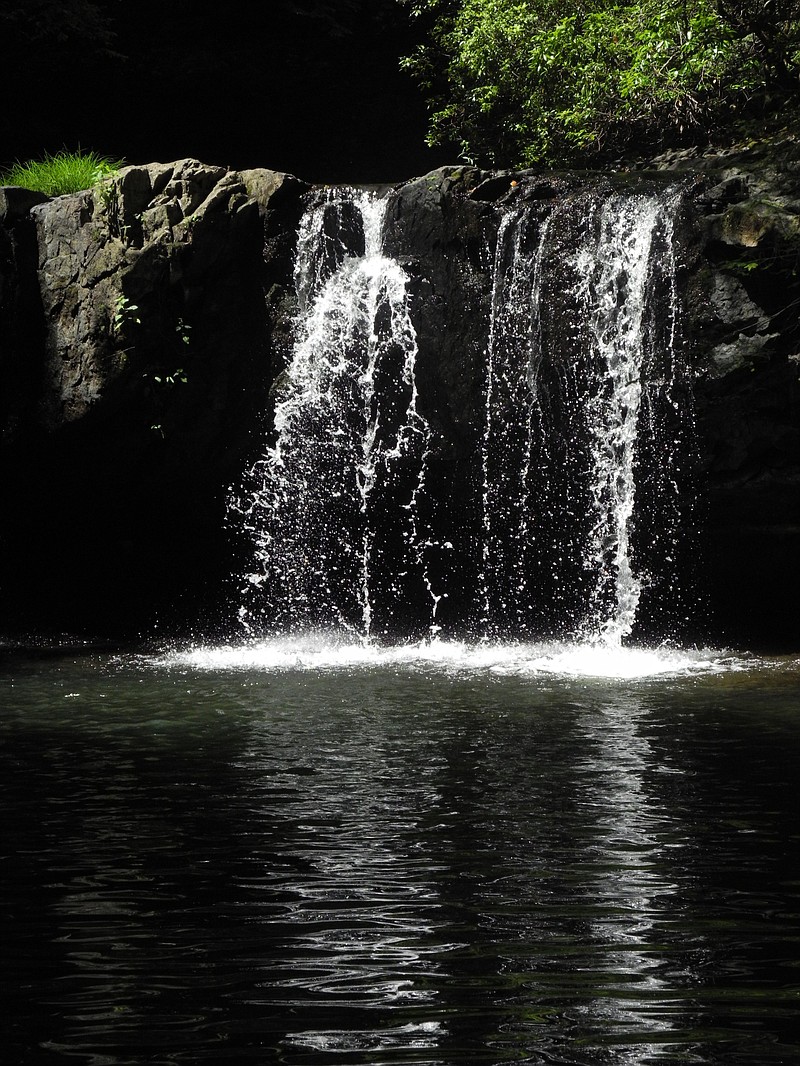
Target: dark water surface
(395,862)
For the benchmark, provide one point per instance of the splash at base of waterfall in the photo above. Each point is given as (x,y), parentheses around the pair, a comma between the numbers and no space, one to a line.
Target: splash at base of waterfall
(329,652)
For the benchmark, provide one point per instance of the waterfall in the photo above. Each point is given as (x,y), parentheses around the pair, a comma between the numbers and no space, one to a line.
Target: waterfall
(513,350)
(582,338)
(615,281)
(333,495)
(578,472)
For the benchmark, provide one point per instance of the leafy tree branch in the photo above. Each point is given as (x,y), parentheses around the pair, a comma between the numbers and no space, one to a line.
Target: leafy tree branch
(516,82)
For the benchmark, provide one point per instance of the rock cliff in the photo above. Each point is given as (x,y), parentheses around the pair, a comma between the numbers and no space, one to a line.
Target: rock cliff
(139,323)
(143,322)
(744,299)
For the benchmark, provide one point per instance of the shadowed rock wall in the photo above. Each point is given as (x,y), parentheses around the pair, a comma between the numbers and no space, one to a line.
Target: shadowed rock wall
(744,308)
(143,322)
(140,322)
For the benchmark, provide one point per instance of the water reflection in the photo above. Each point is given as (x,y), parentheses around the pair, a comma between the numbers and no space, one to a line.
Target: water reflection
(362,929)
(393,867)
(633,888)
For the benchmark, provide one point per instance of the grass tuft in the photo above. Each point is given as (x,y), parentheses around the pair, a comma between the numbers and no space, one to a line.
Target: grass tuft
(64,172)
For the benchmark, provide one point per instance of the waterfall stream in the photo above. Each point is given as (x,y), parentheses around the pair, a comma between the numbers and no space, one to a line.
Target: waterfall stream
(334,491)
(576,483)
(582,333)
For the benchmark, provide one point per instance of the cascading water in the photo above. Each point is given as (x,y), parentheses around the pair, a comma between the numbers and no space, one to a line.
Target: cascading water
(615,282)
(513,351)
(583,335)
(333,494)
(577,472)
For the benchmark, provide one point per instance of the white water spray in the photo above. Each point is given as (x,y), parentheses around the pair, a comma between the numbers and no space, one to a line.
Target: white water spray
(571,343)
(312,504)
(350,509)
(617,274)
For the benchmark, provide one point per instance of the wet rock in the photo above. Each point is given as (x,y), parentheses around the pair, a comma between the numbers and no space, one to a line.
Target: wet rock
(138,325)
(743,293)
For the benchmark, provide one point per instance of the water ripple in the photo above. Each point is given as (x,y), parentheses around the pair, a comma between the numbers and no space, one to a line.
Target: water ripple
(398,865)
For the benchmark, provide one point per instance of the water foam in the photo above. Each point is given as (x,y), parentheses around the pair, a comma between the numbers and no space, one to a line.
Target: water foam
(322,652)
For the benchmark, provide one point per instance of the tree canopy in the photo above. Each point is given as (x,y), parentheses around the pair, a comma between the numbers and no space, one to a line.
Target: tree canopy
(521,81)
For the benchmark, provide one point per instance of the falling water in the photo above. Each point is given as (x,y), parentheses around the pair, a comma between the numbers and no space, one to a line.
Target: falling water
(577,474)
(333,493)
(583,333)
(514,347)
(617,279)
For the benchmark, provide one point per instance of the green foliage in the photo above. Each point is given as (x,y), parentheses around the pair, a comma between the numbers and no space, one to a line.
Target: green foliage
(172,377)
(184,331)
(740,266)
(64,172)
(522,81)
(125,314)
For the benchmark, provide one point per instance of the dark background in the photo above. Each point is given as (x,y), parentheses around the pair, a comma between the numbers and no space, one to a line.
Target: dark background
(312,88)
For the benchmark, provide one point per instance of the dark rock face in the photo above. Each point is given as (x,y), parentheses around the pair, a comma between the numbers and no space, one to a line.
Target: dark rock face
(441,238)
(140,352)
(744,295)
(143,322)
